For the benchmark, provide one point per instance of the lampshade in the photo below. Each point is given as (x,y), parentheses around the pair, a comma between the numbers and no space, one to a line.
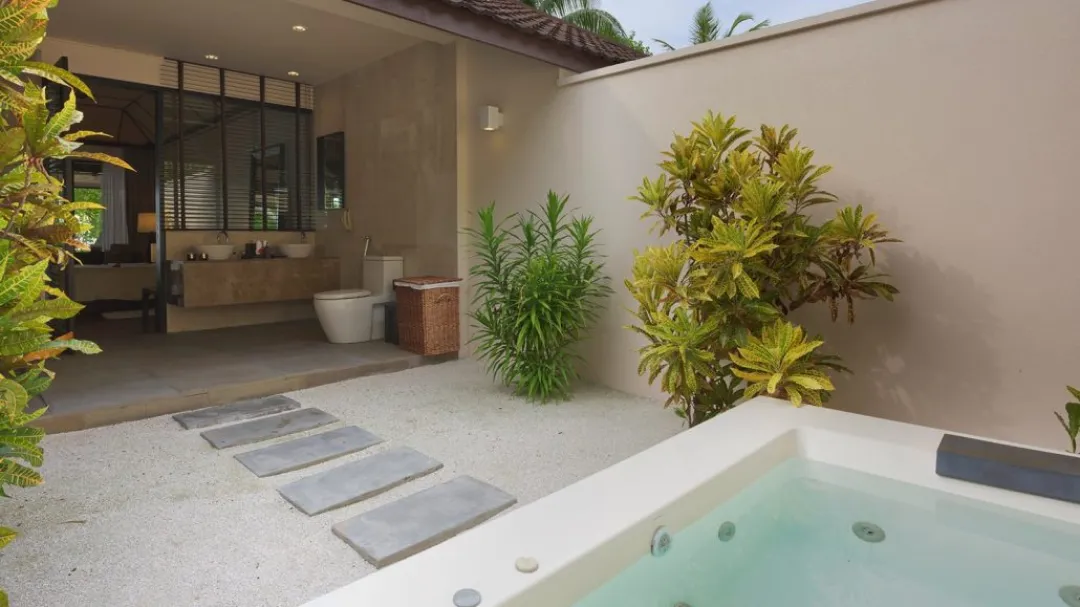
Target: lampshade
(147,223)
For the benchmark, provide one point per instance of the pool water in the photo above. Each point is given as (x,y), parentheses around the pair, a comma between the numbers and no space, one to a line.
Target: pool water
(794,545)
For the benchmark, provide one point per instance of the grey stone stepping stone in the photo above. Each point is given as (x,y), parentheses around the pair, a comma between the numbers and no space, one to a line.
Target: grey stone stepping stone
(266,428)
(359,480)
(419,521)
(236,412)
(307,451)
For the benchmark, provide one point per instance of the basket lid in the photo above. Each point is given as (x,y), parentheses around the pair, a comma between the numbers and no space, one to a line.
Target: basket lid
(424,280)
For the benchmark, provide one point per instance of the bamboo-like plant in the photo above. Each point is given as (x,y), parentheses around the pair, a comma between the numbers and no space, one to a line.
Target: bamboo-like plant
(712,305)
(1071,420)
(538,286)
(38,227)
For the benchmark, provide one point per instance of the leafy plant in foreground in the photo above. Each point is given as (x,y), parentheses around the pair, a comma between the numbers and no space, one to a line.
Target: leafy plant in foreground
(38,227)
(712,305)
(539,285)
(1071,420)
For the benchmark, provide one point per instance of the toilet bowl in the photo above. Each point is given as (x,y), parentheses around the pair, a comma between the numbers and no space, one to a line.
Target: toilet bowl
(345,315)
(349,316)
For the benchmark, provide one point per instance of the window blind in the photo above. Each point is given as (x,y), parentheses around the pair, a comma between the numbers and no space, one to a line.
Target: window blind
(238,151)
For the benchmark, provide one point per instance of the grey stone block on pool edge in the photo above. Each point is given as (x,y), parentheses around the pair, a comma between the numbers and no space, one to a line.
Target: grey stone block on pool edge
(1054,475)
(356,481)
(413,523)
(235,412)
(268,427)
(307,451)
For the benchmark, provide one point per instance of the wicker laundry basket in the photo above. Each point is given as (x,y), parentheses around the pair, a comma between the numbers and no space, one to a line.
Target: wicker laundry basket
(427,311)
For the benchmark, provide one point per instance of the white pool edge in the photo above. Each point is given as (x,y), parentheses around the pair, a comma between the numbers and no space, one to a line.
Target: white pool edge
(618,508)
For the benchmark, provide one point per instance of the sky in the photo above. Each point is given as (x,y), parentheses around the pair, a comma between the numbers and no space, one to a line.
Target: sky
(670,20)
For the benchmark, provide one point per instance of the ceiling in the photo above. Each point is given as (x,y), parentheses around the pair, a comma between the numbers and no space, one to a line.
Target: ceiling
(253,36)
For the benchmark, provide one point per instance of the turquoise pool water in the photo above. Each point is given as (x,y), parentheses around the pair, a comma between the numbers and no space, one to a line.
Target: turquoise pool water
(794,546)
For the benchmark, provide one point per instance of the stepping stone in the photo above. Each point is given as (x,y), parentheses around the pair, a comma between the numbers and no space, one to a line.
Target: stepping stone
(307,451)
(268,427)
(359,480)
(419,521)
(235,412)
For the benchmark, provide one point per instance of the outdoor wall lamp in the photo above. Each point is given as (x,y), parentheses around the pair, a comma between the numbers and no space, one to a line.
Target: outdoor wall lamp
(491,119)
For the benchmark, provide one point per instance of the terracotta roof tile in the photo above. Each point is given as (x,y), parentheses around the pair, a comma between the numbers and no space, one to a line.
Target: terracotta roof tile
(525,18)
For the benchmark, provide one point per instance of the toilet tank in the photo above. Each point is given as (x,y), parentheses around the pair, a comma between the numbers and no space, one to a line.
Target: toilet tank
(381,272)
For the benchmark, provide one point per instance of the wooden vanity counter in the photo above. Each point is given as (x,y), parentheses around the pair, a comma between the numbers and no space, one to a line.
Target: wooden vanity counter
(203,284)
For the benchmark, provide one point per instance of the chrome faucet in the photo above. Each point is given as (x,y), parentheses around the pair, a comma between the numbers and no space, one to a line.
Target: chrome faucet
(222,236)
(367,245)
(303,236)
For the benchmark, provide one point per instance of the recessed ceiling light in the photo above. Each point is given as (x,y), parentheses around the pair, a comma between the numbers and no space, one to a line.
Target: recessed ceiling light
(294,74)
(299,28)
(212,57)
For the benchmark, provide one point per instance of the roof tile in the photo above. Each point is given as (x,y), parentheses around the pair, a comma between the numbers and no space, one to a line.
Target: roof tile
(527,19)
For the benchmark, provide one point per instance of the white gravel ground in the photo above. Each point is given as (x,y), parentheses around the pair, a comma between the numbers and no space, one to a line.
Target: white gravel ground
(148,515)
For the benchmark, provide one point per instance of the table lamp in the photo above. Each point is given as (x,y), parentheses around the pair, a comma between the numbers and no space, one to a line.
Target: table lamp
(147,224)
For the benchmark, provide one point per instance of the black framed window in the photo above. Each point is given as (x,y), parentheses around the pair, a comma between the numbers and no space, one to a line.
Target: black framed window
(237,152)
(330,170)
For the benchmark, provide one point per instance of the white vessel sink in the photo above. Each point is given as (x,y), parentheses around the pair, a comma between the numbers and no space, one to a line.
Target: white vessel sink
(297,250)
(216,252)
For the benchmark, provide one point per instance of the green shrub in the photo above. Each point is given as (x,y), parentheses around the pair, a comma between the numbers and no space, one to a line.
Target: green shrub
(38,227)
(1071,420)
(538,286)
(712,305)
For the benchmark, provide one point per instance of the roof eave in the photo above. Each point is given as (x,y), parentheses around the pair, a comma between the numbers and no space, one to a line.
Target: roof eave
(480,28)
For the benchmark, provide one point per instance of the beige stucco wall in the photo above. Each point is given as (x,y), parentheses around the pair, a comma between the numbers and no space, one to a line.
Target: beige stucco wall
(955,120)
(400,123)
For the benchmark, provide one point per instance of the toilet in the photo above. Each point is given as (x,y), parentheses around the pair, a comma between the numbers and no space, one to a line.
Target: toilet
(350,316)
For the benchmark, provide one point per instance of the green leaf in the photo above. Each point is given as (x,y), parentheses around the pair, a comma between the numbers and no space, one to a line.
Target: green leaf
(14,286)
(19,343)
(16,474)
(46,309)
(7,535)
(58,75)
(1074,392)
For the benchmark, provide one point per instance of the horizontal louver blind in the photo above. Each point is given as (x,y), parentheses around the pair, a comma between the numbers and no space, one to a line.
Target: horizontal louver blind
(219,174)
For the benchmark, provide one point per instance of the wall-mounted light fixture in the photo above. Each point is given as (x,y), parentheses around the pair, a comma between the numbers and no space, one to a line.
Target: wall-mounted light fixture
(491,119)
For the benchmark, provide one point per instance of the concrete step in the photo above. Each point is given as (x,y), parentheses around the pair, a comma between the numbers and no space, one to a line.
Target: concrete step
(235,412)
(308,451)
(266,428)
(356,481)
(419,521)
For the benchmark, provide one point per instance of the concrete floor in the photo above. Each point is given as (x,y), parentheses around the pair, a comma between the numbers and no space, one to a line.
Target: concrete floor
(147,514)
(140,375)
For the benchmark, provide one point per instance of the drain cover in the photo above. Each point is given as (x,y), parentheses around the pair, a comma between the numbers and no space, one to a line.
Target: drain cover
(726,532)
(1070,595)
(868,532)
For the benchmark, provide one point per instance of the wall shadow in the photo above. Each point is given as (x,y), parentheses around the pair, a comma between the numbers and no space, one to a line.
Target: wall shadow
(944,382)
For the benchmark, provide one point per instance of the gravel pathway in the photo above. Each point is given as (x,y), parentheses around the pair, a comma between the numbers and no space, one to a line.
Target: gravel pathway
(146,514)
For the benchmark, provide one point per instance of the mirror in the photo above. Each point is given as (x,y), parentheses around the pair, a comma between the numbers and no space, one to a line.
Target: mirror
(330,156)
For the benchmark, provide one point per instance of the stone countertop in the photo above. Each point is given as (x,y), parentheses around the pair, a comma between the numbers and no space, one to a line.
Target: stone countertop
(245,259)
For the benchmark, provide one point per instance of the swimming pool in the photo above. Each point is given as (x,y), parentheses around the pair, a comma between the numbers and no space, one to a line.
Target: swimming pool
(766,505)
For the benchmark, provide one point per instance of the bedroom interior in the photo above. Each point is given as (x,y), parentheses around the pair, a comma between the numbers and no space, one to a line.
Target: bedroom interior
(118,267)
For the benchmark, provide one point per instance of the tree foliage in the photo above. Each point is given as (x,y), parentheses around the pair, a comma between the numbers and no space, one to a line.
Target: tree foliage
(706,27)
(38,227)
(712,305)
(585,14)
(538,286)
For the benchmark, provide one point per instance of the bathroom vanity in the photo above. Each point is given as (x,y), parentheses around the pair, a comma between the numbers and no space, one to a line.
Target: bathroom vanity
(203,284)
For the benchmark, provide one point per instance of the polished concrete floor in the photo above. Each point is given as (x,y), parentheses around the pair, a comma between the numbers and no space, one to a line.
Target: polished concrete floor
(141,375)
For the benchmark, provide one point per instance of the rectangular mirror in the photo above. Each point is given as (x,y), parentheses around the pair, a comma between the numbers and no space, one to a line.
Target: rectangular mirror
(330,158)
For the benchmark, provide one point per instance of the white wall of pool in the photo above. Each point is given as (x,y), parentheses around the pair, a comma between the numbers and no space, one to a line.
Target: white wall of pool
(586,534)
